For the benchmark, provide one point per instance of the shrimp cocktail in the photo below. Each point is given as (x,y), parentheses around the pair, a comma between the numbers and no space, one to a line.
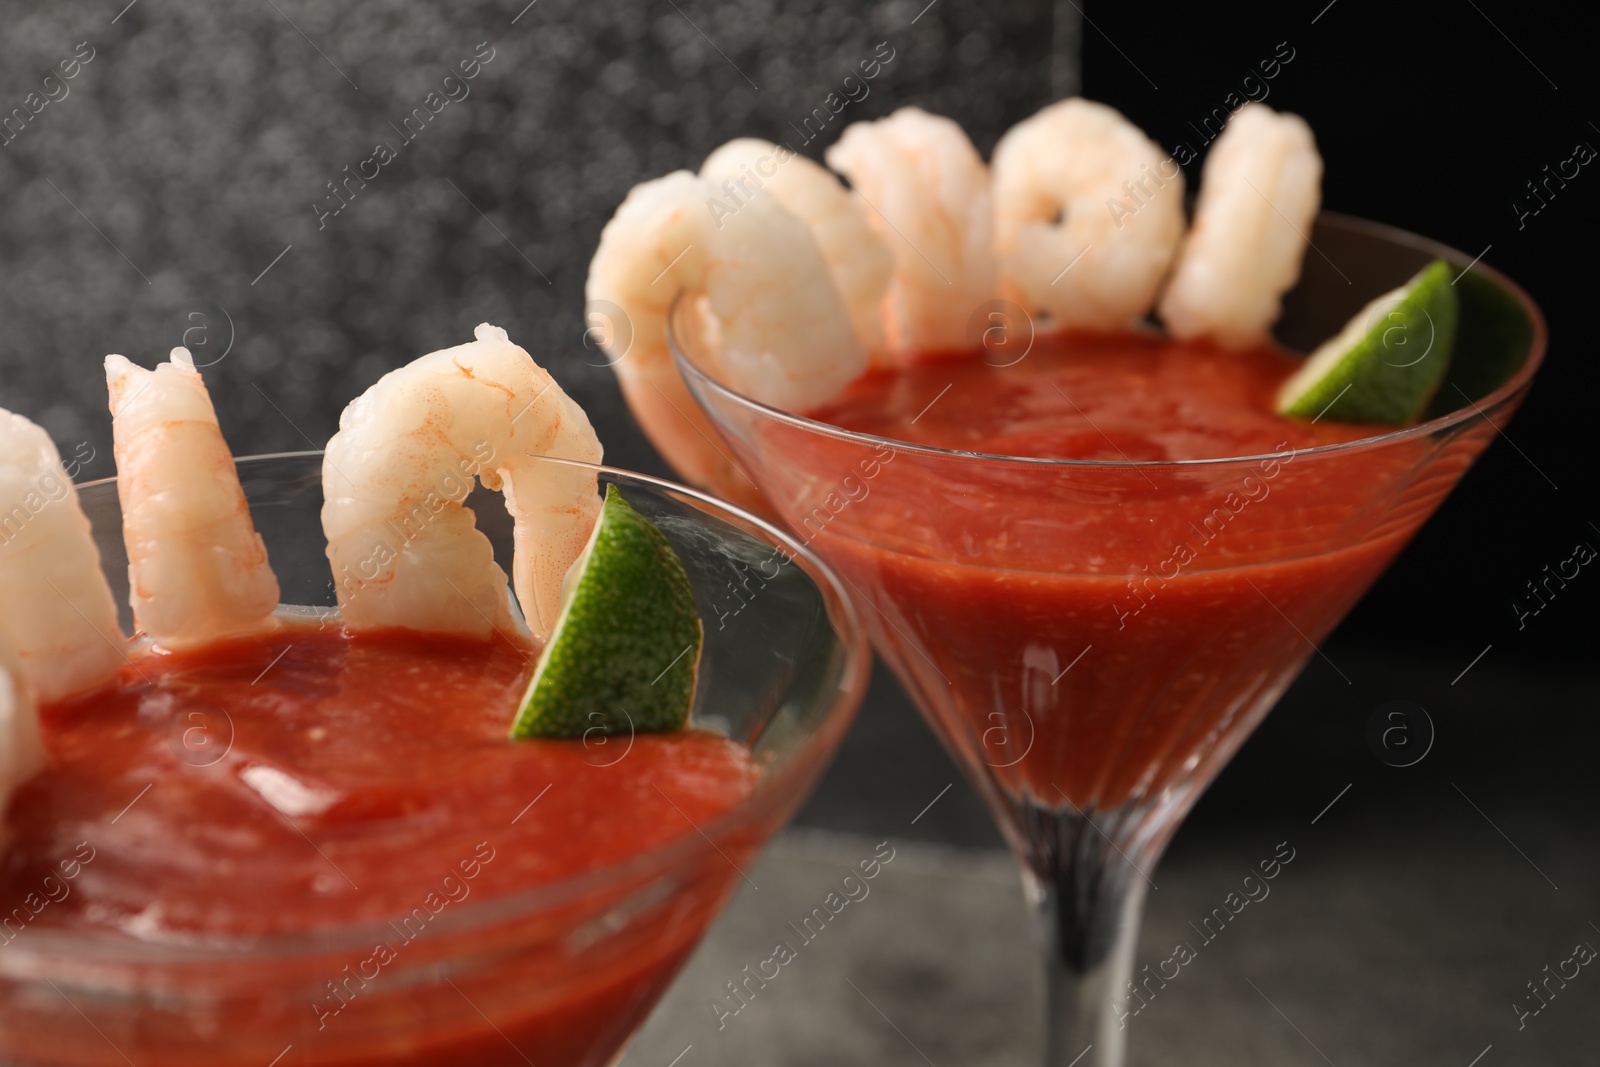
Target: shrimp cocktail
(1036,416)
(348,796)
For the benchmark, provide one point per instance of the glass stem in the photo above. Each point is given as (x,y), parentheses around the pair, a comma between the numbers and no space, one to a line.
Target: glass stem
(1087,900)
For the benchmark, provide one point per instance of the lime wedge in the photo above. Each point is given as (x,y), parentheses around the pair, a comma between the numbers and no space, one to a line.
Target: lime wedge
(1387,362)
(626,647)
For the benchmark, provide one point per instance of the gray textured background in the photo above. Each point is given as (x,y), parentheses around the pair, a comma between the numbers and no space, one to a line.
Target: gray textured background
(188,152)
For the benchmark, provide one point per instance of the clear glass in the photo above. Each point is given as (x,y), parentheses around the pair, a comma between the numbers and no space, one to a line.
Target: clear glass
(560,974)
(1091,703)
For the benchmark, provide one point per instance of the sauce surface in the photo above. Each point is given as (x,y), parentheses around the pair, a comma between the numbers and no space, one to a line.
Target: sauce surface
(1133,397)
(310,779)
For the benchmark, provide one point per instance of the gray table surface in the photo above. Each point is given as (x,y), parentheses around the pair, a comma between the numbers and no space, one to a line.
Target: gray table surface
(1415,910)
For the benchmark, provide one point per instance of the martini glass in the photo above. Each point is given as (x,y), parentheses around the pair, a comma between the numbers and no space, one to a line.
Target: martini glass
(1092,641)
(560,973)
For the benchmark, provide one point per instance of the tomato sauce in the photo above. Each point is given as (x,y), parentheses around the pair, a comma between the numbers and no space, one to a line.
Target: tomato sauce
(1134,397)
(309,781)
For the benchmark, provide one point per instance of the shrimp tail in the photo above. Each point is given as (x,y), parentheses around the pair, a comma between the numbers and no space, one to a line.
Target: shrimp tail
(197,569)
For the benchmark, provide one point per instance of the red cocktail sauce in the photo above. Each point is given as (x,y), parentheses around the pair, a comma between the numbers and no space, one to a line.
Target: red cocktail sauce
(310,782)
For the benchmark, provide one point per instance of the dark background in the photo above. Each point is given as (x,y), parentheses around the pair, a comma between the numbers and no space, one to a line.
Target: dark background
(1431,117)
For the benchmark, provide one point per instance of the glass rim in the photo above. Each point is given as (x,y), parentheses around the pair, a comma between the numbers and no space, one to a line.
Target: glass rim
(28,958)
(1491,402)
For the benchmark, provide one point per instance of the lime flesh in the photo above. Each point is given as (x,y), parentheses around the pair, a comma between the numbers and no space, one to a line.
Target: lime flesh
(625,651)
(1387,362)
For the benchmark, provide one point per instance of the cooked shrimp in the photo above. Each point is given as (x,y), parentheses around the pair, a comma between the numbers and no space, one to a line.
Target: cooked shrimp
(785,333)
(1259,193)
(1087,217)
(197,570)
(785,336)
(22,752)
(927,195)
(404,551)
(653,249)
(55,603)
(859,261)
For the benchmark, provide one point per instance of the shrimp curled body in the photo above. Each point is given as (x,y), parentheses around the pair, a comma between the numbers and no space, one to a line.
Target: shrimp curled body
(1119,202)
(927,195)
(785,332)
(404,551)
(1259,194)
(859,261)
(55,603)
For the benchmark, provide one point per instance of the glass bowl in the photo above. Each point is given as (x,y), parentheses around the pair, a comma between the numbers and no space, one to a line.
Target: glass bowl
(1092,640)
(560,973)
